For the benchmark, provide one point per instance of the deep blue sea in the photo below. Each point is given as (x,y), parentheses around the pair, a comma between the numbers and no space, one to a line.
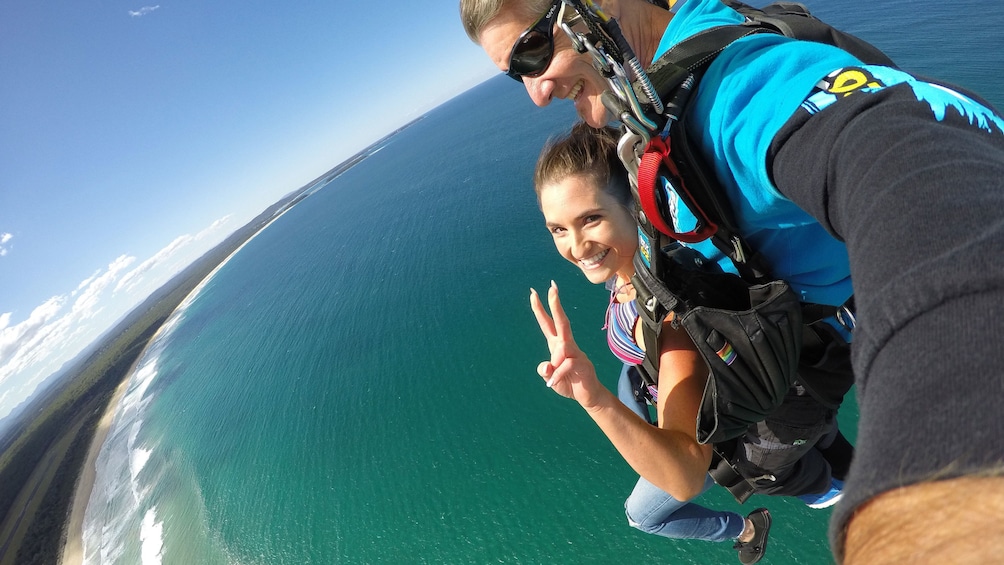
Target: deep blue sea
(357,385)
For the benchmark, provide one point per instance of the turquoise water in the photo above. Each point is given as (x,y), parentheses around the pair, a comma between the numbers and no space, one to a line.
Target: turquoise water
(356,385)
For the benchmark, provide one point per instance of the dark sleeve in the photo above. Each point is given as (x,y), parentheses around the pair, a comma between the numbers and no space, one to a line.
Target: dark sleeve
(920,204)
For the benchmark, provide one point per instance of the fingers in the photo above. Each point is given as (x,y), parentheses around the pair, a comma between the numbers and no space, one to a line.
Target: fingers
(561,325)
(555,341)
(547,371)
(543,320)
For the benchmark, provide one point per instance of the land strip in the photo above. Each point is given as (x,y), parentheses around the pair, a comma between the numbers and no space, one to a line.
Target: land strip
(47,455)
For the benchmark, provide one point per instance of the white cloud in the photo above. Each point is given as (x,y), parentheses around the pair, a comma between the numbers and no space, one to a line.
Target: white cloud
(213,227)
(86,305)
(26,331)
(27,342)
(134,277)
(33,349)
(143,11)
(61,327)
(5,238)
(84,283)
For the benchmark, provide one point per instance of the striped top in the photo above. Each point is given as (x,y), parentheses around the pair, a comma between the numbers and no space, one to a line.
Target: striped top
(620,324)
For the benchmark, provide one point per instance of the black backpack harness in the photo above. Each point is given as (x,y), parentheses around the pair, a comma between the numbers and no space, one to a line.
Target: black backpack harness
(748,328)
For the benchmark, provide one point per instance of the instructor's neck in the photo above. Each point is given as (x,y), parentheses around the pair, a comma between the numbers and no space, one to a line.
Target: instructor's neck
(643,25)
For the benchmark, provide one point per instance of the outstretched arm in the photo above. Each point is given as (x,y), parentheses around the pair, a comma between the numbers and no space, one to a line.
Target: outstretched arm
(668,456)
(952,521)
(918,200)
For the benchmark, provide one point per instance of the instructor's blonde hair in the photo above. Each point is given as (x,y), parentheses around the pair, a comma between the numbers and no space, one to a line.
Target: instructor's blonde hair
(475,14)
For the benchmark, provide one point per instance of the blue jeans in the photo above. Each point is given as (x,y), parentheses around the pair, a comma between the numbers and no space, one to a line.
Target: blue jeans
(652,510)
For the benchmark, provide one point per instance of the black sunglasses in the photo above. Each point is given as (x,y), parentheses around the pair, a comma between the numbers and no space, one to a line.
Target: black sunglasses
(532,52)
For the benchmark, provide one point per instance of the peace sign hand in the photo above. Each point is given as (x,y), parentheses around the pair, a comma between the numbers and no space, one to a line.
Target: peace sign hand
(569,372)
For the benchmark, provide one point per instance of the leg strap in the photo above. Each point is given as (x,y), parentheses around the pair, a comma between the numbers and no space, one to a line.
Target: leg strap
(725,474)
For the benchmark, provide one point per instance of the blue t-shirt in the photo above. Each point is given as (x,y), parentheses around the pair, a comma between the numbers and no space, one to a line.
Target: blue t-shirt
(749,91)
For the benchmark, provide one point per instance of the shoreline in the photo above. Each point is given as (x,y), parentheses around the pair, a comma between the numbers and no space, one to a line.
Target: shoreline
(73,547)
(188,282)
(57,527)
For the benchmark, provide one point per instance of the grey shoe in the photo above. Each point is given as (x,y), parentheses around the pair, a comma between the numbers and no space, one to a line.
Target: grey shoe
(752,551)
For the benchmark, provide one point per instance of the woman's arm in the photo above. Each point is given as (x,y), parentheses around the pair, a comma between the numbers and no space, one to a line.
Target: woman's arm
(668,456)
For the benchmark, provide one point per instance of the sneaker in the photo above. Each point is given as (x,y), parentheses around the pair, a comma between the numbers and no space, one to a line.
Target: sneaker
(752,551)
(826,499)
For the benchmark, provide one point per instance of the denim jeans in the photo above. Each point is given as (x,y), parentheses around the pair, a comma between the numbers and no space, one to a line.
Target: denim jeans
(653,511)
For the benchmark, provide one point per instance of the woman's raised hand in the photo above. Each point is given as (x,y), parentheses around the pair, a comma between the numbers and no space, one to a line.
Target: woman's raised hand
(569,372)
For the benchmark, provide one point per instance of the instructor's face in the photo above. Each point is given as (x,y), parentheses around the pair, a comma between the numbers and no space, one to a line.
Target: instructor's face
(570,75)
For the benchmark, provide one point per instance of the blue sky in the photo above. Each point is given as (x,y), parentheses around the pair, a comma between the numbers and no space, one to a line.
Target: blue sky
(136,136)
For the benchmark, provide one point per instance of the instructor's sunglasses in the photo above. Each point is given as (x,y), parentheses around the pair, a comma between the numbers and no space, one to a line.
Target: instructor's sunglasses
(532,52)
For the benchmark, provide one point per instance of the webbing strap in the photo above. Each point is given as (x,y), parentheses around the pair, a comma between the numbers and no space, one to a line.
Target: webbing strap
(726,475)
(657,153)
(648,171)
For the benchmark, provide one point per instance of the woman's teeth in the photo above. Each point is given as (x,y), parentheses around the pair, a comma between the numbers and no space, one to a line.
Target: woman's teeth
(594,261)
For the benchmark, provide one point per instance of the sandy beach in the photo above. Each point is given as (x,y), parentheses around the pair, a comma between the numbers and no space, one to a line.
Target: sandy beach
(73,550)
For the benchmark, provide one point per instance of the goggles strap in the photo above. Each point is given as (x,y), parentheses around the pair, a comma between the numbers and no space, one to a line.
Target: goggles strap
(594,21)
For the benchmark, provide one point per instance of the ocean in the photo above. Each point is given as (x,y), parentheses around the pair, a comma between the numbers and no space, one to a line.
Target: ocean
(357,385)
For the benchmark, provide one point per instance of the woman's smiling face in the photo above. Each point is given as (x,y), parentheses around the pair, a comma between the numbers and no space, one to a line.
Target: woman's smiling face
(590,228)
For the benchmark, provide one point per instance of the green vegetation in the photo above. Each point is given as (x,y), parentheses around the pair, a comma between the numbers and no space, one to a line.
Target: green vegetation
(63,430)
(45,451)
(43,539)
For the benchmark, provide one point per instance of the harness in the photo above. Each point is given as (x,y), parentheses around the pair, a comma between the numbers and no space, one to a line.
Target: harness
(748,328)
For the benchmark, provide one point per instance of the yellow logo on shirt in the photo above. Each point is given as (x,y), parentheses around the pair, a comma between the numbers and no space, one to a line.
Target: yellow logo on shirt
(848,80)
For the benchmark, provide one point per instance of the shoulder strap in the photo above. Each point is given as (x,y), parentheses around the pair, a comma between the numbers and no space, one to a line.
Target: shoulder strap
(692,56)
(685,173)
(790,19)
(675,75)
(793,19)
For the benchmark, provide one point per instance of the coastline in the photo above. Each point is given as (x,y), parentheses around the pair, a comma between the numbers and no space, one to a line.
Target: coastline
(188,283)
(73,548)
(99,377)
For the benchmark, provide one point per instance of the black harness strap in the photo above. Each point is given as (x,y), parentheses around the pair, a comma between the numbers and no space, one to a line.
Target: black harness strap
(741,390)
